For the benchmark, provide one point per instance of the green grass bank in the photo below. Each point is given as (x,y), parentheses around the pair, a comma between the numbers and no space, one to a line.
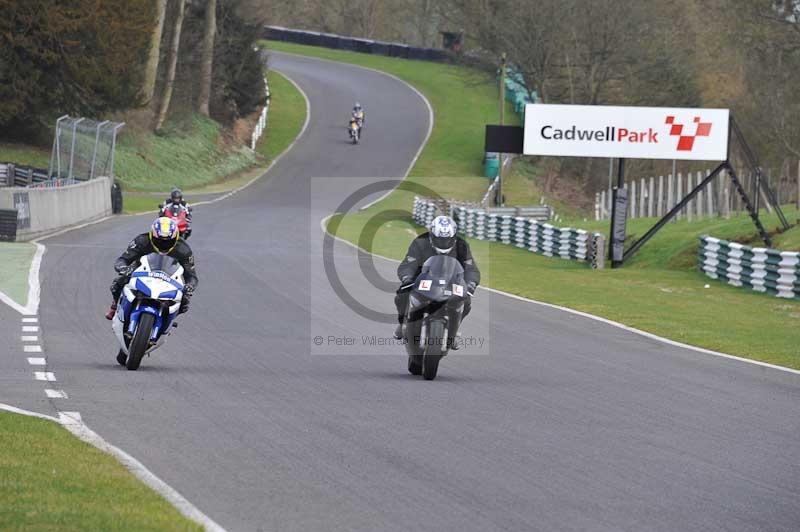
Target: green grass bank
(50,480)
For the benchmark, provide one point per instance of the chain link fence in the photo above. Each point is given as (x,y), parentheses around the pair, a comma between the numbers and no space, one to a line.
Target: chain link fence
(83,148)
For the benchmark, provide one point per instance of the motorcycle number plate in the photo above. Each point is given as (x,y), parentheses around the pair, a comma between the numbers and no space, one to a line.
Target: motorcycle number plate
(458,290)
(425,285)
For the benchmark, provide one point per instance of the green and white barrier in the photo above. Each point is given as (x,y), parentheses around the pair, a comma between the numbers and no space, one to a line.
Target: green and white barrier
(761,269)
(500,225)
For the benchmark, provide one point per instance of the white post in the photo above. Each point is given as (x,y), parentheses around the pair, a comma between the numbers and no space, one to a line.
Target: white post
(642,197)
(679,194)
(660,201)
(651,198)
(633,199)
(710,195)
(603,205)
(699,196)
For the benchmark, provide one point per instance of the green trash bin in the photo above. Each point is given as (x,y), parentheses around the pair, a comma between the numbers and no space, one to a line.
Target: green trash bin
(491,164)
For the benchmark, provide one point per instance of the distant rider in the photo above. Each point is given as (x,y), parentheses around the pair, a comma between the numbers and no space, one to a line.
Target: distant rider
(176,198)
(440,240)
(164,239)
(358,114)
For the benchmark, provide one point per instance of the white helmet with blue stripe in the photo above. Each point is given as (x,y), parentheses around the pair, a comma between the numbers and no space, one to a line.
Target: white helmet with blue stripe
(443,234)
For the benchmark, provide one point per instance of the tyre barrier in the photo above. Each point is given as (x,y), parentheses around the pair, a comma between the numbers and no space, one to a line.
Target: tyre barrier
(766,270)
(506,226)
(116,198)
(8,225)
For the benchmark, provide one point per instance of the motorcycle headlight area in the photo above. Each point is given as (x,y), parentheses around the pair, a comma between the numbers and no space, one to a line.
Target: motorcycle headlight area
(156,288)
(415,301)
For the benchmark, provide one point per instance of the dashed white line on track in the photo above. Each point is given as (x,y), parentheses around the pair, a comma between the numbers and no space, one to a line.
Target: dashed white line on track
(29,338)
(44,376)
(56,394)
(30,319)
(30,328)
(36,361)
(32,348)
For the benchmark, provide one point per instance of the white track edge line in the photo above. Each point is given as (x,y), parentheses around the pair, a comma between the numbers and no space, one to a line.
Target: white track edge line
(84,433)
(628,328)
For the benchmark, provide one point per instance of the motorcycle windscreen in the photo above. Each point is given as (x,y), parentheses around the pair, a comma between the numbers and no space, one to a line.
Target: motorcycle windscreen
(163,263)
(443,267)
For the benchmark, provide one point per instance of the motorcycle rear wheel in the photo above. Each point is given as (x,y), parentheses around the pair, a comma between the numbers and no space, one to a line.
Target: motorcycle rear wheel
(140,341)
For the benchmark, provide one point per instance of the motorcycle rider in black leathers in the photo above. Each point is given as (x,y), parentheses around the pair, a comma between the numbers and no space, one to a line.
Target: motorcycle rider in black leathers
(164,239)
(441,240)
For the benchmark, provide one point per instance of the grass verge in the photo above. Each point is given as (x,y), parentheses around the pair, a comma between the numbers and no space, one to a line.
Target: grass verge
(287,114)
(52,481)
(14,268)
(660,291)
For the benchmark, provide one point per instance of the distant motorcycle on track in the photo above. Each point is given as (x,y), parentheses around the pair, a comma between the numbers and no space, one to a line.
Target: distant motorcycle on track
(355,131)
(435,308)
(179,213)
(147,308)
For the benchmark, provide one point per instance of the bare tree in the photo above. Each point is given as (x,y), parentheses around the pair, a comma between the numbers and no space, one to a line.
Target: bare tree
(173,63)
(151,68)
(209,31)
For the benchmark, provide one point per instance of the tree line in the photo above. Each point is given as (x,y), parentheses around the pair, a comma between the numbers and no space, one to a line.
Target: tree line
(158,58)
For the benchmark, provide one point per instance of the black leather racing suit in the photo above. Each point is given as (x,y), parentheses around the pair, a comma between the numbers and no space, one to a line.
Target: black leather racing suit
(421,250)
(141,246)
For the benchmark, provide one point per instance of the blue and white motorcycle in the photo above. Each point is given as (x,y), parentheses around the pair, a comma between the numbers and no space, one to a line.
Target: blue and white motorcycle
(147,308)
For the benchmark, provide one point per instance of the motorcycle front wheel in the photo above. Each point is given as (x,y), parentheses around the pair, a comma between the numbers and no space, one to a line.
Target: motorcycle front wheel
(141,339)
(433,350)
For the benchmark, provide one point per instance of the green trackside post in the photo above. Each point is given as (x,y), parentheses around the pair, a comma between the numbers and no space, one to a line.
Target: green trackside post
(502,122)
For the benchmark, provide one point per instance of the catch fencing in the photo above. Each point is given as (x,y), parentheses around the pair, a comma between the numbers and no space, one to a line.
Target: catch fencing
(761,269)
(353,44)
(518,227)
(83,149)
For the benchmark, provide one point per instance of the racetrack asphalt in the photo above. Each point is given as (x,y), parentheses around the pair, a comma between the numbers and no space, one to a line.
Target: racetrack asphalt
(560,423)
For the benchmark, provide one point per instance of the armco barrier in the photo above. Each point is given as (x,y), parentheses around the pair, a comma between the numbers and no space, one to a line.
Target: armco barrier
(341,42)
(763,270)
(43,210)
(504,225)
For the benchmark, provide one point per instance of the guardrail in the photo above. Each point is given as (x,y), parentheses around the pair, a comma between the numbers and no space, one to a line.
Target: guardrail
(353,44)
(508,225)
(761,269)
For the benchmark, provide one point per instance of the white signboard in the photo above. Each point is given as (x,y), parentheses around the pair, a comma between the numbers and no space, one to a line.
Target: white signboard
(627,132)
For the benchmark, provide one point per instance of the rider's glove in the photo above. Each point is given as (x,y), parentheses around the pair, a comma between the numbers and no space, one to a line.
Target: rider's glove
(471,286)
(124,269)
(188,290)
(406,280)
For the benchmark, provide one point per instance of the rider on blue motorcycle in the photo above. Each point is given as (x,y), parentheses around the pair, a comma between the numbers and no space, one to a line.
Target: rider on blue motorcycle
(164,239)
(440,240)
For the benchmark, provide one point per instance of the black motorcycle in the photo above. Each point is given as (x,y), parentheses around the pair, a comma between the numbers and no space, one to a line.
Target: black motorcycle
(435,308)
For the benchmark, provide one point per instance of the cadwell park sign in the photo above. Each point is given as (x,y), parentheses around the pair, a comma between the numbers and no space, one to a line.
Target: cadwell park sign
(626,132)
